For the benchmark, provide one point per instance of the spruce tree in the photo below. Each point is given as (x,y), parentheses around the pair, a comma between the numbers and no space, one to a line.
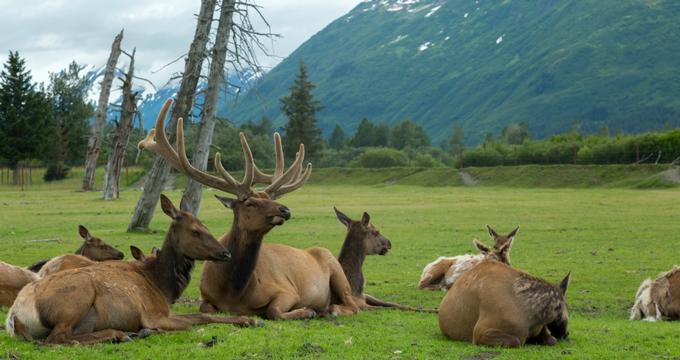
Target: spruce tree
(338,140)
(300,108)
(457,140)
(365,135)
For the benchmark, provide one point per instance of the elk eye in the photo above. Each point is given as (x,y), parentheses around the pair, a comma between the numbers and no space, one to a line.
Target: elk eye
(196,233)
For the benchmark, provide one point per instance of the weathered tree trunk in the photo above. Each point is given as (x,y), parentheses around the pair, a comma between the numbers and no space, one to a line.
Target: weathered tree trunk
(95,142)
(193,191)
(183,103)
(122,136)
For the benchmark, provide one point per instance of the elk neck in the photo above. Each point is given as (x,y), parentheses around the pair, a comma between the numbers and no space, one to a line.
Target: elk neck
(352,258)
(244,247)
(170,271)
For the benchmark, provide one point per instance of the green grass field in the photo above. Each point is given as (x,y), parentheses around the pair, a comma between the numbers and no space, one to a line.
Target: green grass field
(610,238)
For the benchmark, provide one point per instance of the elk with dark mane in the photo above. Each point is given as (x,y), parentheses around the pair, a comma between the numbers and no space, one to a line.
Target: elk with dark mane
(269,280)
(110,301)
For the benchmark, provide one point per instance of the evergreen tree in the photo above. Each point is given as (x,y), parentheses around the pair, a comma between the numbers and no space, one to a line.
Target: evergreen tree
(300,108)
(24,115)
(382,135)
(457,140)
(71,111)
(365,134)
(516,134)
(338,140)
(409,134)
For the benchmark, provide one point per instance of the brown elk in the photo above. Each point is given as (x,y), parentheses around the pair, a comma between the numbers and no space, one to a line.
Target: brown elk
(269,280)
(138,254)
(659,299)
(443,272)
(496,305)
(104,301)
(12,280)
(93,248)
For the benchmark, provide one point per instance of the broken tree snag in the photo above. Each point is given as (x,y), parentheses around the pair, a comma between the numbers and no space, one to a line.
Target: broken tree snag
(95,142)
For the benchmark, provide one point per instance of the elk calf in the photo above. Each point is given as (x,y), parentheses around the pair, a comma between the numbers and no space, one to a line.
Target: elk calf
(443,272)
(659,299)
(105,301)
(493,304)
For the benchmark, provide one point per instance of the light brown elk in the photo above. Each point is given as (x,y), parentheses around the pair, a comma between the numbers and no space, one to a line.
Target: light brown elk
(658,299)
(363,239)
(104,301)
(269,280)
(496,305)
(12,280)
(443,272)
(93,248)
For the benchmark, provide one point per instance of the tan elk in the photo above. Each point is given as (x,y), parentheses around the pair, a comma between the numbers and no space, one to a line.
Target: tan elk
(443,272)
(109,301)
(269,280)
(363,239)
(496,305)
(12,280)
(93,248)
(658,299)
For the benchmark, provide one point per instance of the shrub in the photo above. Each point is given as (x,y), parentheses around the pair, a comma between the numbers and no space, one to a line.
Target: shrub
(56,171)
(382,158)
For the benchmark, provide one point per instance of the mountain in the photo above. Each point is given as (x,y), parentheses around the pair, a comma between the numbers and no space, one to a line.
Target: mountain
(152,99)
(550,63)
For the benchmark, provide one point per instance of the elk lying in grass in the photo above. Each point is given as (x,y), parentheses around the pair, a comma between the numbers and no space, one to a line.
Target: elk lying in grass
(12,280)
(269,280)
(493,304)
(659,299)
(93,248)
(443,272)
(363,239)
(102,302)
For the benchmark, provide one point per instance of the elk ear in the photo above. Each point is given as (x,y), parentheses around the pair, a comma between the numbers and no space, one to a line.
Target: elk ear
(137,253)
(365,219)
(492,232)
(227,202)
(481,247)
(513,233)
(184,205)
(565,283)
(342,217)
(84,233)
(155,251)
(168,208)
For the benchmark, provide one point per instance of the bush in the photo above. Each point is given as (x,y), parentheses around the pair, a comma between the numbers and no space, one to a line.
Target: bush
(426,161)
(382,158)
(56,171)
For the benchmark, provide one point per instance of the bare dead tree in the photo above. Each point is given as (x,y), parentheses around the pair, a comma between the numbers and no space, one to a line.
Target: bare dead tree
(95,142)
(160,170)
(122,136)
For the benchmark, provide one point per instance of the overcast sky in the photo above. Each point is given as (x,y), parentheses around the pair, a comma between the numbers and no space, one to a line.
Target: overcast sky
(51,33)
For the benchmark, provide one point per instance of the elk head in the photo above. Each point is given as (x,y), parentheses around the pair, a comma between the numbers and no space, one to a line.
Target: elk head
(95,248)
(374,242)
(560,327)
(501,254)
(254,210)
(500,240)
(188,236)
(138,254)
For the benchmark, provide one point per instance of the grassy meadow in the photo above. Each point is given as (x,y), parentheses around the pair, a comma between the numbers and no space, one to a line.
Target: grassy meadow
(610,238)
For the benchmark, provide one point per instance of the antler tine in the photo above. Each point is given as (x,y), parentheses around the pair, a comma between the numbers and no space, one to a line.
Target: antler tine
(157,142)
(263,178)
(204,178)
(301,180)
(225,174)
(291,175)
(249,169)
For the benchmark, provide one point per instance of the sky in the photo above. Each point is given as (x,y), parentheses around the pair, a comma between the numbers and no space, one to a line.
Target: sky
(50,34)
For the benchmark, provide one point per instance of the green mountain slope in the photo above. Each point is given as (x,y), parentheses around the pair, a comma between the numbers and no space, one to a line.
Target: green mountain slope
(484,63)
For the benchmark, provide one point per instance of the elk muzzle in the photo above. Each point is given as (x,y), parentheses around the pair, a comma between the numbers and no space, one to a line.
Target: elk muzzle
(284,214)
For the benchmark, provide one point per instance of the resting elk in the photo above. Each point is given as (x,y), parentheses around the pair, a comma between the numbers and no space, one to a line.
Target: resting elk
(659,299)
(269,280)
(363,239)
(443,272)
(110,301)
(14,278)
(496,305)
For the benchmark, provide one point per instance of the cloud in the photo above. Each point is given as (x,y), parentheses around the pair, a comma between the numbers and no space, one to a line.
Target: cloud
(51,33)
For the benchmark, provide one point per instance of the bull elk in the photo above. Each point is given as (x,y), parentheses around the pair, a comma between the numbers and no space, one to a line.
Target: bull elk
(658,299)
(363,239)
(269,280)
(93,248)
(496,305)
(443,272)
(109,301)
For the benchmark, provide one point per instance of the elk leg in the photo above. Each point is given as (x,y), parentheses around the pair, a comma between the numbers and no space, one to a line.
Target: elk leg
(185,321)
(207,308)
(494,337)
(342,291)
(279,309)
(61,334)
(543,338)
(377,303)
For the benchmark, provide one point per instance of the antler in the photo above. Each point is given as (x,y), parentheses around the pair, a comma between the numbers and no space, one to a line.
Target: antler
(280,182)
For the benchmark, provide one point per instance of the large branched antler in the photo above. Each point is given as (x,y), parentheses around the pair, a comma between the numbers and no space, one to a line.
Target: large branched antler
(280,182)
